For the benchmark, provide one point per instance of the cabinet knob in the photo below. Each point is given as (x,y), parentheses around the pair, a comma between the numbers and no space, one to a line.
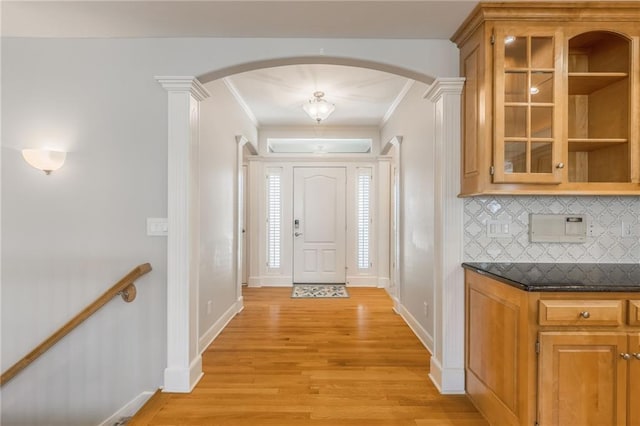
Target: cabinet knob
(560,166)
(624,356)
(585,314)
(637,356)
(297,234)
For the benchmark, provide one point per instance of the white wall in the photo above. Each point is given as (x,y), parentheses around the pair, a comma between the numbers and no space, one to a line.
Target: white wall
(221,120)
(68,236)
(414,121)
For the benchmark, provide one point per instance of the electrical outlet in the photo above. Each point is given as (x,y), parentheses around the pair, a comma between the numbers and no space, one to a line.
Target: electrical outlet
(625,229)
(426,309)
(209,307)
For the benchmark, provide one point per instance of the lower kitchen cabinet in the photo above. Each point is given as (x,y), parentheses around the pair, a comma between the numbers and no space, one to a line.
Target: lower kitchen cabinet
(583,379)
(634,380)
(560,358)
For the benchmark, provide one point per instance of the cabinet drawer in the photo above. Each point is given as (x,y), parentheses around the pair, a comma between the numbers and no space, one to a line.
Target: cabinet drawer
(580,312)
(634,312)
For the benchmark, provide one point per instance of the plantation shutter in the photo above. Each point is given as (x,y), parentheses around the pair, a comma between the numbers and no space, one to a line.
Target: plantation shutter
(364,217)
(274,217)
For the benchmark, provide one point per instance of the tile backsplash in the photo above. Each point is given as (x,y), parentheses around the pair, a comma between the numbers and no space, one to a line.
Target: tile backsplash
(605,241)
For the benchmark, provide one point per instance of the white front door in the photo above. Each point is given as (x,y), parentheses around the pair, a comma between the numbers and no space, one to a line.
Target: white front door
(319,214)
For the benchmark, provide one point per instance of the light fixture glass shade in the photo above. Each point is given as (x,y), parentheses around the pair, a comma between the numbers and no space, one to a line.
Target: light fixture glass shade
(43,159)
(318,108)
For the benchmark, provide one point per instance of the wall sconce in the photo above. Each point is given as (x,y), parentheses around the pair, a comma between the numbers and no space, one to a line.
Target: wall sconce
(43,159)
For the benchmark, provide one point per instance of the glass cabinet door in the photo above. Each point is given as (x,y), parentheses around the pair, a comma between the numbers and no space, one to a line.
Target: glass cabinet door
(527,122)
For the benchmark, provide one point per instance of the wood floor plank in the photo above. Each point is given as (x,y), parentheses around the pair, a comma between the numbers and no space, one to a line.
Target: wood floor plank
(302,362)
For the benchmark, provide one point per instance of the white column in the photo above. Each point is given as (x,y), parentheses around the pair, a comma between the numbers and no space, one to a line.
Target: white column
(447,362)
(184,363)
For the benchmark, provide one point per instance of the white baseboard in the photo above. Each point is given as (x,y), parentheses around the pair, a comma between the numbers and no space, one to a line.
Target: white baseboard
(383,282)
(448,381)
(396,304)
(213,331)
(271,281)
(355,281)
(414,325)
(183,380)
(129,409)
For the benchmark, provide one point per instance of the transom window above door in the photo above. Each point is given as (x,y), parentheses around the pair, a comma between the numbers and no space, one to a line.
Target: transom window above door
(319,146)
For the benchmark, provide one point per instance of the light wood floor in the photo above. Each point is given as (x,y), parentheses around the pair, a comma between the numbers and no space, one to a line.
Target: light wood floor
(330,362)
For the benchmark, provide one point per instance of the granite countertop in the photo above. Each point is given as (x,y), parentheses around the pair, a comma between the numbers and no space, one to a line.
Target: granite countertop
(595,277)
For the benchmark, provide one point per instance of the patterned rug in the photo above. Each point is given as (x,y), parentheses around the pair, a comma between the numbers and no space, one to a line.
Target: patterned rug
(304,291)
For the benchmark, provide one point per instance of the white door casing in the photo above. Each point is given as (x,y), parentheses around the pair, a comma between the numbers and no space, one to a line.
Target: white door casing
(245,199)
(319,229)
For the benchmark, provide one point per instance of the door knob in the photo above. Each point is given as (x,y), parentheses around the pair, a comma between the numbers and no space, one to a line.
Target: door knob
(624,356)
(637,356)
(297,234)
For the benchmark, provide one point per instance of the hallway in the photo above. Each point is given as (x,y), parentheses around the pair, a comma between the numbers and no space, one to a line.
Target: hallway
(334,362)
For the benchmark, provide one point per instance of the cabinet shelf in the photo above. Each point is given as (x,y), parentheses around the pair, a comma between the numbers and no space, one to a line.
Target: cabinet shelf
(586,145)
(585,83)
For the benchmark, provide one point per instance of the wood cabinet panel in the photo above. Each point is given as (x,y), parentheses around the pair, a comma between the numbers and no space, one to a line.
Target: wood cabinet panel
(500,353)
(634,380)
(583,378)
(473,98)
(494,344)
(634,312)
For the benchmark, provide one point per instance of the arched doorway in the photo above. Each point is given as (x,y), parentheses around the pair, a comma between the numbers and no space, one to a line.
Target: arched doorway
(184,365)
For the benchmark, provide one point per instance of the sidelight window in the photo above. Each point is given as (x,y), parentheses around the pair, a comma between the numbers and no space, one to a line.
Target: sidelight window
(274,217)
(364,217)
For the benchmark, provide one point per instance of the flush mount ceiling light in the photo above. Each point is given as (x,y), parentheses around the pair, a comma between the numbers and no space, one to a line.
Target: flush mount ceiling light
(43,159)
(318,108)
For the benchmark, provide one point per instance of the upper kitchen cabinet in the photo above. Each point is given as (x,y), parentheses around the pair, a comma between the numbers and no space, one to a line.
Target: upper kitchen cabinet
(599,101)
(551,98)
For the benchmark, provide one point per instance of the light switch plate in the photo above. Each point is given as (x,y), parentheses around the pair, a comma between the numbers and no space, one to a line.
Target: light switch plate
(498,229)
(557,228)
(157,226)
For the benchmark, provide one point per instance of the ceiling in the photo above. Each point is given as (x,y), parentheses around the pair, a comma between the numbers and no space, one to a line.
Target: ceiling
(274,96)
(236,18)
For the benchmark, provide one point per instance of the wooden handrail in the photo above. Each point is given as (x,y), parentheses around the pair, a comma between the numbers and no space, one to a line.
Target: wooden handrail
(124,288)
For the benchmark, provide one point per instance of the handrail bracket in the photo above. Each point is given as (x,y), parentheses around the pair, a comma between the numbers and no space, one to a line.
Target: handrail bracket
(129,293)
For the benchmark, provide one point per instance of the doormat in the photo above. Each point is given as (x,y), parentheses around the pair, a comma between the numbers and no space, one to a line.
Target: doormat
(306,291)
